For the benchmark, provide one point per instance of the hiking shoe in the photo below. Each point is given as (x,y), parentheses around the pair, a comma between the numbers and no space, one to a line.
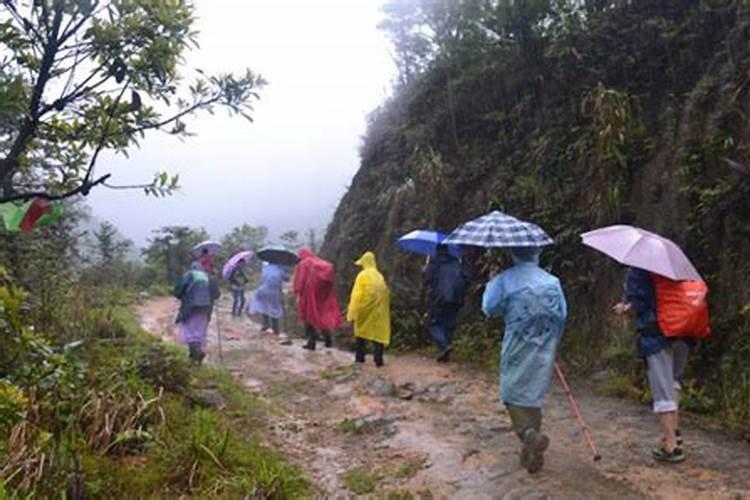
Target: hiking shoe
(672,457)
(444,354)
(308,346)
(532,453)
(327,341)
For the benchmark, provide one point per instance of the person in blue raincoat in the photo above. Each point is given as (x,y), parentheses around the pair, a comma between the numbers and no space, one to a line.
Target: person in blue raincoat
(532,303)
(268,298)
(446,280)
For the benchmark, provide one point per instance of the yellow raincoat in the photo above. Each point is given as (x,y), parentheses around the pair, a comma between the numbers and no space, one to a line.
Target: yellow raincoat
(370,303)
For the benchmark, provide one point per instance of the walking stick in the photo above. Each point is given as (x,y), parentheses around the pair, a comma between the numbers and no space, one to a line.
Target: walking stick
(218,334)
(577,413)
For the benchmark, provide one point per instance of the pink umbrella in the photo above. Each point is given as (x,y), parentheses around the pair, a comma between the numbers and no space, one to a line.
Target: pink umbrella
(637,247)
(234,261)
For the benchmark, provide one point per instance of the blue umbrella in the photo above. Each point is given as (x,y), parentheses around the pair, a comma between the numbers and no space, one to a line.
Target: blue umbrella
(424,242)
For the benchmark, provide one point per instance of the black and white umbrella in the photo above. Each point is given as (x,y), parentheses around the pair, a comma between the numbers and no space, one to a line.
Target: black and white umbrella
(499,230)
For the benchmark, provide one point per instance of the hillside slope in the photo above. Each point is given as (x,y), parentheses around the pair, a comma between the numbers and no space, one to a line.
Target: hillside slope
(638,117)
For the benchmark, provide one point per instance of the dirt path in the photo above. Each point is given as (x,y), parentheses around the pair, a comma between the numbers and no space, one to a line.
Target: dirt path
(437,431)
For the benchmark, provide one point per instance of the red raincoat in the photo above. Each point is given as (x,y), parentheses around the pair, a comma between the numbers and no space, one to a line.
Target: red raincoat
(317,304)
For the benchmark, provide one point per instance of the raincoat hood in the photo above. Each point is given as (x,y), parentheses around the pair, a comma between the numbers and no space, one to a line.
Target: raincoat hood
(304,253)
(525,255)
(367,261)
(370,303)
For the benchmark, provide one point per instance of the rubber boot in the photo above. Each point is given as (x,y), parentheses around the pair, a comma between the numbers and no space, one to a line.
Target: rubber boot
(378,354)
(312,338)
(359,353)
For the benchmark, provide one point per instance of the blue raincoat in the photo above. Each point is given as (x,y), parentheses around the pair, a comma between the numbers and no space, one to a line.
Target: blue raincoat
(268,298)
(533,305)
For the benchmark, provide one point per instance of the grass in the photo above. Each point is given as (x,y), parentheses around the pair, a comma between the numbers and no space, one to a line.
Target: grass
(139,433)
(360,481)
(621,386)
(338,372)
(409,469)
(399,495)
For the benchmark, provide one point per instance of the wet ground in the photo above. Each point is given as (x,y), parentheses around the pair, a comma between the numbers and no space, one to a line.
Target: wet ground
(437,430)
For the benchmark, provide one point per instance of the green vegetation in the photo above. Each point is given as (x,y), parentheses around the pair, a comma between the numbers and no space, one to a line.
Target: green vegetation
(360,481)
(574,115)
(80,78)
(106,410)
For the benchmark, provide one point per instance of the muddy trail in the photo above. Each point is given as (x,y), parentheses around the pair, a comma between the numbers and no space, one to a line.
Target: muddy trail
(437,430)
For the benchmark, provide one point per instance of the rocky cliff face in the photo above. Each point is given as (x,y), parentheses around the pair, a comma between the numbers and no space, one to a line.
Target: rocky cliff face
(641,118)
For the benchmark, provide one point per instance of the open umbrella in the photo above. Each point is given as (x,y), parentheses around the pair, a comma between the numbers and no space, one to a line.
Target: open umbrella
(231,264)
(425,242)
(637,247)
(277,254)
(499,230)
(212,246)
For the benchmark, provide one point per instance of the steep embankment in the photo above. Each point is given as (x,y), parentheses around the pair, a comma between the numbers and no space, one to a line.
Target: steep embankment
(639,118)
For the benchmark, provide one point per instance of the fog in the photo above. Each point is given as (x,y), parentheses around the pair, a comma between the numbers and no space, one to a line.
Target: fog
(327,66)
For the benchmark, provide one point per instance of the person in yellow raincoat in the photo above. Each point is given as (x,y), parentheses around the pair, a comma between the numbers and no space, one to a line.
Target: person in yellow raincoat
(370,309)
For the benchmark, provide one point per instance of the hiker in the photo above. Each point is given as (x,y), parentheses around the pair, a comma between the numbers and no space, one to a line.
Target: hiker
(533,306)
(370,309)
(317,305)
(268,298)
(207,261)
(197,292)
(446,280)
(237,280)
(665,360)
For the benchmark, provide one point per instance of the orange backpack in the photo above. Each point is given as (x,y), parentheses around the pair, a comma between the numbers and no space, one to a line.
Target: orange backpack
(681,307)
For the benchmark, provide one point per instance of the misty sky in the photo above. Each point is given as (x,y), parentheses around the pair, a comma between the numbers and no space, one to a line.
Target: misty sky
(327,67)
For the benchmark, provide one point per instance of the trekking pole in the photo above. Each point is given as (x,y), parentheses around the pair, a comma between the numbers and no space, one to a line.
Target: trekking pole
(218,334)
(577,413)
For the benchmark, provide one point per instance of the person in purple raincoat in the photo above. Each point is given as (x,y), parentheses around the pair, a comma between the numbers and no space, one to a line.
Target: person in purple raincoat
(268,298)
(197,292)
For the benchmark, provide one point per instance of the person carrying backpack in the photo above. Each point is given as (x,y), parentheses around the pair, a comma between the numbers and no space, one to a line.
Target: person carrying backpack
(317,305)
(446,280)
(370,310)
(665,355)
(197,292)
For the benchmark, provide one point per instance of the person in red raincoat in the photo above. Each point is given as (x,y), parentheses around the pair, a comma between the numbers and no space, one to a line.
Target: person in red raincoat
(317,305)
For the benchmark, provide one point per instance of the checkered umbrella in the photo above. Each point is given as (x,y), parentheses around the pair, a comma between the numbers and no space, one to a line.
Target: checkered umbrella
(499,230)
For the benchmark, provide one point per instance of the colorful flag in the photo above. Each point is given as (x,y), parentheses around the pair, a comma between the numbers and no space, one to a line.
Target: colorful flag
(25,216)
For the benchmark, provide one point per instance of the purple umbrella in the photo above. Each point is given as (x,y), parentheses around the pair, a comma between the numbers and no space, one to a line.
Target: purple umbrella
(211,246)
(233,261)
(637,247)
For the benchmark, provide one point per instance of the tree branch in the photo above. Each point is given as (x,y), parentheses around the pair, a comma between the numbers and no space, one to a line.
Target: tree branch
(176,117)
(83,189)
(9,164)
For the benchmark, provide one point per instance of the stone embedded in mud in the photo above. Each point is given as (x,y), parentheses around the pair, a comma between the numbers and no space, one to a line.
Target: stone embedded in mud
(210,398)
(382,388)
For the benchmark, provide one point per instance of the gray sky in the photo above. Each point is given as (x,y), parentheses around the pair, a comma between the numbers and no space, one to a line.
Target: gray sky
(327,67)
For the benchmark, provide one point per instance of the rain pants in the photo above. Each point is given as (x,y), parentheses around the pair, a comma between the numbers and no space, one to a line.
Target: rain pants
(533,305)
(370,303)
(268,298)
(317,304)
(446,280)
